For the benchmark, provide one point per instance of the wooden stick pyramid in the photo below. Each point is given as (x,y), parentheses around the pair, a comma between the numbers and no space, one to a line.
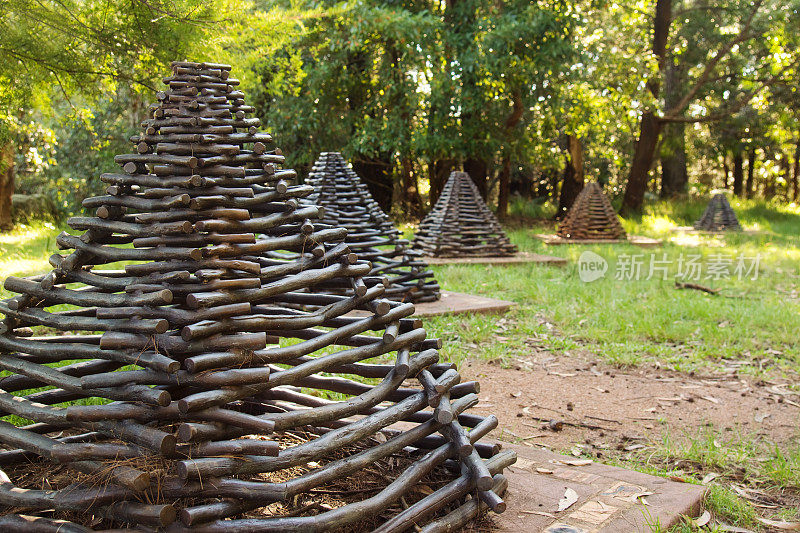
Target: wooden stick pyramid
(461,224)
(718,216)
(348,204)
(591,217)
(180,367)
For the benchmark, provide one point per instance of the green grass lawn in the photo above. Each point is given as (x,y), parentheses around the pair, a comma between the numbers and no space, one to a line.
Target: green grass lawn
(632,321)
(626,322)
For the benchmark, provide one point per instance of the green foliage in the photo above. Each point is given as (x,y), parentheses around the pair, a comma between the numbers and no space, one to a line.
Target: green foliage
(73,74)
(389,80)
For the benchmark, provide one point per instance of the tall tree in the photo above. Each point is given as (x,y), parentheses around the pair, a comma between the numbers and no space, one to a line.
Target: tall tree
(435,86)
(739,29)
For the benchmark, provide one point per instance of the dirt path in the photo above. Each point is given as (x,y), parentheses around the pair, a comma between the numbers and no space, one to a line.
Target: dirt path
(608,411)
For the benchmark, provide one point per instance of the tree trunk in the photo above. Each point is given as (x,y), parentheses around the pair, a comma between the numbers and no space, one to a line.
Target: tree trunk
(377,174)
(650,125)
(796,173)
(502,195)
(769,188)
(554,178)
(726,171)
(478,170)
(751,161)
(786,174)
(438,172)
(6,184)
(674,177)
(412,202)
(650,129)
(517,109)
(572,184)
(521,183)
(738,172)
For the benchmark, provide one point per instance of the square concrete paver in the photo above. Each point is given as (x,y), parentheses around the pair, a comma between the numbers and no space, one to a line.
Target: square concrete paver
(691,230)
(519,257)
(636,240)
(610,499)
(454,303)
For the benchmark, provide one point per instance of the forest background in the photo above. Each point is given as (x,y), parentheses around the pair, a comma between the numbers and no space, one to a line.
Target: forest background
(655,98)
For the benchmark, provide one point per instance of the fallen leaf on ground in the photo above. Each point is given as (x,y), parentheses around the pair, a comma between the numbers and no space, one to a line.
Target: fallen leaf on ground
(572,462)
(732,529)
(577,450)
(424,489)
(594,512)
(534,436)
(566,501)
(779,389)
(708,478)
(760,417)
(633,498)
(703,519)
(545,470)
(780,524)
(561,374)
(540,513)
(710,399)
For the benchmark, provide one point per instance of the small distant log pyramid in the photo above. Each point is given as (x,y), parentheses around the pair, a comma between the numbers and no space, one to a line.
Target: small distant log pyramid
(591,217)
(461,224)
(718,216)
(348,204)
(180,367)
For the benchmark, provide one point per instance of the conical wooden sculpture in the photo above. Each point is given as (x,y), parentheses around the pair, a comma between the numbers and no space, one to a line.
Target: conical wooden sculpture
(591,217)
(348,204)
(461,224)
(191,377)
(718,216)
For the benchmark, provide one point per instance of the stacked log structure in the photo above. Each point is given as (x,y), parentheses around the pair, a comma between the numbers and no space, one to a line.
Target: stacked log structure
(176,366)
(348,204)
(718,216)
(461,224)
(591,217)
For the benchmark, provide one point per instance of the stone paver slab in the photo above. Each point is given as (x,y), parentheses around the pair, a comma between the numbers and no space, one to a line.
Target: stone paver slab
(636,240)
(609,498)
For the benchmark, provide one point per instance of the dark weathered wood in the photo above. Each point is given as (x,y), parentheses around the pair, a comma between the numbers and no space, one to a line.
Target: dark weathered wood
(349,204)
(591,217)
(461,224)
(197,362)
(718,216)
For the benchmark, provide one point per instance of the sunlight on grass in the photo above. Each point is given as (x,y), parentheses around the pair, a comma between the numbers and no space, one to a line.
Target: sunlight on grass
(23,234)
(658,224)
(26,267)
(25,250)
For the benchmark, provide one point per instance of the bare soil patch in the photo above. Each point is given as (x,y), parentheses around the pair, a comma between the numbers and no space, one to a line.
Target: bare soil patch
(607,410)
